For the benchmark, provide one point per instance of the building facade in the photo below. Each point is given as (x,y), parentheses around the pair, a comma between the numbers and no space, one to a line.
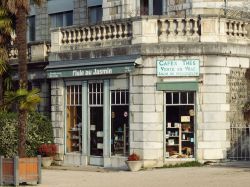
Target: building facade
(164,79)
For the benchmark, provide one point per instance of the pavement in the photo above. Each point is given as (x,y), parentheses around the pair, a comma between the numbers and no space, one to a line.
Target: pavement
(235,174)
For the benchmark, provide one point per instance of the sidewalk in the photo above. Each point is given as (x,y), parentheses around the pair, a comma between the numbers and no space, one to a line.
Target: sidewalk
(207,176)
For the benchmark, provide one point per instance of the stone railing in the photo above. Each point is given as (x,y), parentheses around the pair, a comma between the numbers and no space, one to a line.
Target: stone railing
(96,33)
(236,28)
(38,51)
(179,29)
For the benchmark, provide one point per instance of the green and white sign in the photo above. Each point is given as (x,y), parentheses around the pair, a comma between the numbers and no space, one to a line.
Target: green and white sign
(82,72)
(171,68)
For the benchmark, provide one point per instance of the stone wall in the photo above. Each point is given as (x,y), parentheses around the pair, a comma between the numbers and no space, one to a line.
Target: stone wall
(57,112)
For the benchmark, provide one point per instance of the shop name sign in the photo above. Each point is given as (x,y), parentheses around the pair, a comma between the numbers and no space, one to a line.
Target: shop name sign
(105,71)
(171,68)
(88,72)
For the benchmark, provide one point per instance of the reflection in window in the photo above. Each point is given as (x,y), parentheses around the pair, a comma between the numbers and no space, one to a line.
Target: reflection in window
(95,14)
(74,118)
(61,19)
(119,122)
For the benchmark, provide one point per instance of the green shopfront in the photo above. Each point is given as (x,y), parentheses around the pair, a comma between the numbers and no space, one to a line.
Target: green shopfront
(95,98)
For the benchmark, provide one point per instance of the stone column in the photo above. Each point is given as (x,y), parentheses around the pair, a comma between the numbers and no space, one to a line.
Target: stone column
(57,114)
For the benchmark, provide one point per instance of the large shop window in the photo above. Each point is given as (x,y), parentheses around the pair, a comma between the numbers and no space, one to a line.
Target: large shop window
(74,118)
(119,122)
(96,118)
(180,119)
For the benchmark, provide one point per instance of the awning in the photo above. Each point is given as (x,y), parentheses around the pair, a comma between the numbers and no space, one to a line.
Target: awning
(91,67)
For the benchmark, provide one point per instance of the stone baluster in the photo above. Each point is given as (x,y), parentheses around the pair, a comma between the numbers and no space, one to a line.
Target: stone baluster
(115,31)
(104,32)
(195,28)
(73,39)
(125,32)
(188,27)
(230,29)
(244,29)
(69,36)
(109,32)
(64,36)
(81,35)
(171,27)
(233,29)
(163,30)
(120,31)
(179,31)
(77,35)
(240,29)
(93,34)
(88,34)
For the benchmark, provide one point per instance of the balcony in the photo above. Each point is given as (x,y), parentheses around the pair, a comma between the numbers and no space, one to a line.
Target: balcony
(37,52)
(150,30)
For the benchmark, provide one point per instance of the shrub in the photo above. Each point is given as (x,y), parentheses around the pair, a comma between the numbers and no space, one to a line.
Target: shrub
(133,157)
(39,130)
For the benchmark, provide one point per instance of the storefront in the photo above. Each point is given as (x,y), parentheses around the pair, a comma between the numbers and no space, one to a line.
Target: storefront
(96,109)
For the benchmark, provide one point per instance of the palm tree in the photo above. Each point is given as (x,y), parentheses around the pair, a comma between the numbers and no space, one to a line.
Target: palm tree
(20,8)
(5,35)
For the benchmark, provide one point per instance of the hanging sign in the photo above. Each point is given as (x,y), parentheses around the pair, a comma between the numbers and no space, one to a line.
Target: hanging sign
(171,68)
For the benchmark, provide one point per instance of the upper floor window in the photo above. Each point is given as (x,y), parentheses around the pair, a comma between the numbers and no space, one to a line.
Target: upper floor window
(148,8)
(95,14)
(31,28)
(61,19)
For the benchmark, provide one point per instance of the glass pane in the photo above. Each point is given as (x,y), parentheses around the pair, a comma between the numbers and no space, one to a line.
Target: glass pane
(69,18)
(118,99)
(168,98)
(59,20)
(119,130)
(157,7)
(122,97)
(191,97)
(127,97)
(176,98)
(113,97)
(96,131)
(183,97)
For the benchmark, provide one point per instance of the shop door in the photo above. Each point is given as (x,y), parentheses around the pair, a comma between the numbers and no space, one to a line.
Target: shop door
(95,92)
(180,124)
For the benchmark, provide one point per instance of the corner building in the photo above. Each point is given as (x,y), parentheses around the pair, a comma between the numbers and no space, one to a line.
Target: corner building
(165,79)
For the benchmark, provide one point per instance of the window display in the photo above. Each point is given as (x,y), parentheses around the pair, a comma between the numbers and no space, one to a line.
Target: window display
(96,118)
(119,122)
(180,117)
(74,118)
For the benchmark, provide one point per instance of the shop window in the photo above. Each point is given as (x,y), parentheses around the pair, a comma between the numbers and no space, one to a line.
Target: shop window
(31,28)
(95,92)
(180,119)
(74,118)
(61,19)
(95,14)
(120,122)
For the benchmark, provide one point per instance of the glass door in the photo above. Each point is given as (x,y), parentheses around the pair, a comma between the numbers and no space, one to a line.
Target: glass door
(95,92)
(180,124)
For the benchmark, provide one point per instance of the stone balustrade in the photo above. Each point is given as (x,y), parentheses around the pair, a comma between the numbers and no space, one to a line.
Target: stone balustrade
(96,33)
(36,51)
(236,28)
(179,29)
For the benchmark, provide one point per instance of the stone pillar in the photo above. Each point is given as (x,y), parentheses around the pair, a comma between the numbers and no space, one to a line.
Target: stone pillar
(106,124)
(146,111)
(57,114)
(85,123)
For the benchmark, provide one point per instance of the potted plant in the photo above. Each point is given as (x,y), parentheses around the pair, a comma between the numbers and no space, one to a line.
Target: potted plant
(246,110)
(47,151)
(134,163)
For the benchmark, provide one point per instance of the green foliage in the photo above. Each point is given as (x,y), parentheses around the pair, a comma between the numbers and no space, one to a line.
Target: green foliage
(39,131)
(26,100)
(185,164)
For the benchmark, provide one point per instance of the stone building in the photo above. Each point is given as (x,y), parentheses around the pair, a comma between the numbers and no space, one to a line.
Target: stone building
(165,79)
